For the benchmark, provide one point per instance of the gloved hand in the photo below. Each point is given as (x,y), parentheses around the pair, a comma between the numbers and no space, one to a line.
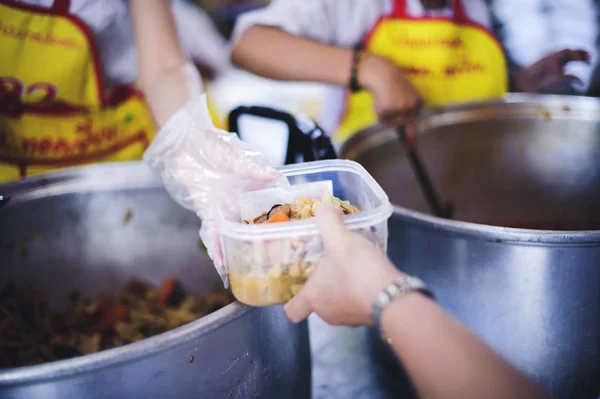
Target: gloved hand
(548,72)
(196,160)
(348,278)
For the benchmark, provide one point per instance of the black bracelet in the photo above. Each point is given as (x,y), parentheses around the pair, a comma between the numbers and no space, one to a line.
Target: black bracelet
(353,85)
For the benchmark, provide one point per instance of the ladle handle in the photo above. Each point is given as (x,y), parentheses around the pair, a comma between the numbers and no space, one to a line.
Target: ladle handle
(422,177)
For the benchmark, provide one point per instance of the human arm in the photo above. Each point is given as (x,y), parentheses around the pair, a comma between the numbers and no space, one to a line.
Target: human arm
(200,38)
(291,40)
(574,25)
(524,31)
(443,359)
(551,43)
(168,78)
(289,57)
(193,158)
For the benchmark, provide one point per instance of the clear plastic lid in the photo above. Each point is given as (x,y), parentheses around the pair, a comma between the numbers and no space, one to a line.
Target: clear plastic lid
(349,182)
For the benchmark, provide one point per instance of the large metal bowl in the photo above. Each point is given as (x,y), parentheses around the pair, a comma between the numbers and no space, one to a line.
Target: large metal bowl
(533,295)
(68,231)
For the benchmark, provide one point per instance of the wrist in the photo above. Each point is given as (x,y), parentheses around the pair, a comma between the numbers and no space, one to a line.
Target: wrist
(372,70)
(406,308)
(377,281)
(394,292)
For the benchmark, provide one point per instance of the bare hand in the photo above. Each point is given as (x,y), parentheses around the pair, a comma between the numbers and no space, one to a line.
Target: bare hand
(549,71)
(346,282)
(397,102)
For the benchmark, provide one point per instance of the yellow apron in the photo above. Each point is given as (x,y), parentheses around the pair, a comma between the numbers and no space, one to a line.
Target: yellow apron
(55,111)
(448,60)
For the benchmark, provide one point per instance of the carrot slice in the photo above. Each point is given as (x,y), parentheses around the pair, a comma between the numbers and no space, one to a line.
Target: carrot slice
(167,290)
(109,318)
(278,217)
(102,301)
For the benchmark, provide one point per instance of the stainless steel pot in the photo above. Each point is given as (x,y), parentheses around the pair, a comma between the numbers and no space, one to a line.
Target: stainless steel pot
(69,231)
(533,295)
(529,161)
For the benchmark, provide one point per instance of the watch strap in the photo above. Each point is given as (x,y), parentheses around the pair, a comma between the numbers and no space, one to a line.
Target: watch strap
(397,289)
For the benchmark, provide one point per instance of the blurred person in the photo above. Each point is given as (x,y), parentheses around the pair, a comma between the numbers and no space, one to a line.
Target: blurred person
(190,154)
(194,159)
(68,92)
(535,30)
(443,359)
(385,58)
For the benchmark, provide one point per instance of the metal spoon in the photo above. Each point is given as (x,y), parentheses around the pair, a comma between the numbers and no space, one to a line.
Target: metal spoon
(423,178)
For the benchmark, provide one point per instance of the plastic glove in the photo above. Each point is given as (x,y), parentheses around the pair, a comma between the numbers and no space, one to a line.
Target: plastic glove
(195,160)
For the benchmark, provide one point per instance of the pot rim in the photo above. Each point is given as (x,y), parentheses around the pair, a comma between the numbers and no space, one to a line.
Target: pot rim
(498,233)
(542,106)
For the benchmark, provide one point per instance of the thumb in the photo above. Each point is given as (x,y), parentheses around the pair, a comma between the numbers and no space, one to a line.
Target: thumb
(299,307)
(253,168)
(331,225)
(247,162)
(211,239)
(573,79)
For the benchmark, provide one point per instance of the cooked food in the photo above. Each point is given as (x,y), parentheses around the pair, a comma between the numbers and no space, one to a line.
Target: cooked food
(304,208)
(273,271)
(32,333)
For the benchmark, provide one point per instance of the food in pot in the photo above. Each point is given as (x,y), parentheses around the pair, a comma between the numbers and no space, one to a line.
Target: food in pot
(272,272)
(31,333)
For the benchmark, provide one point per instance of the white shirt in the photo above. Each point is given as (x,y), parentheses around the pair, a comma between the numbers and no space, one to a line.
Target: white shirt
(529,32)
(341,23)
(110,21)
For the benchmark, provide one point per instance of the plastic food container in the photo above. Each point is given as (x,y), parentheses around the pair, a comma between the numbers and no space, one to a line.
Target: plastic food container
(267,264)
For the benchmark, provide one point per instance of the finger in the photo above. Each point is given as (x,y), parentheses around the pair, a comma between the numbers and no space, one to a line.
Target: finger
(410,136)
(331,225)
(573,79)
(397,118)
(566,56)
(403,120)
(258,172)
(252,164)
(547,82)
(215,254)
(211,239)
(587,58)
(299,307)
(231,153)
(390,117)
(578,55)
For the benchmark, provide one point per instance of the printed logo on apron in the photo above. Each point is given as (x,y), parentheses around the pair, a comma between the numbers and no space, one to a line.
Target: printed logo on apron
(448,60)
(54,109)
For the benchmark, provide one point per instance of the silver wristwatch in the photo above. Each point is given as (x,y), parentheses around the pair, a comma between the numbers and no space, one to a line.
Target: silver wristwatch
(395,290)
